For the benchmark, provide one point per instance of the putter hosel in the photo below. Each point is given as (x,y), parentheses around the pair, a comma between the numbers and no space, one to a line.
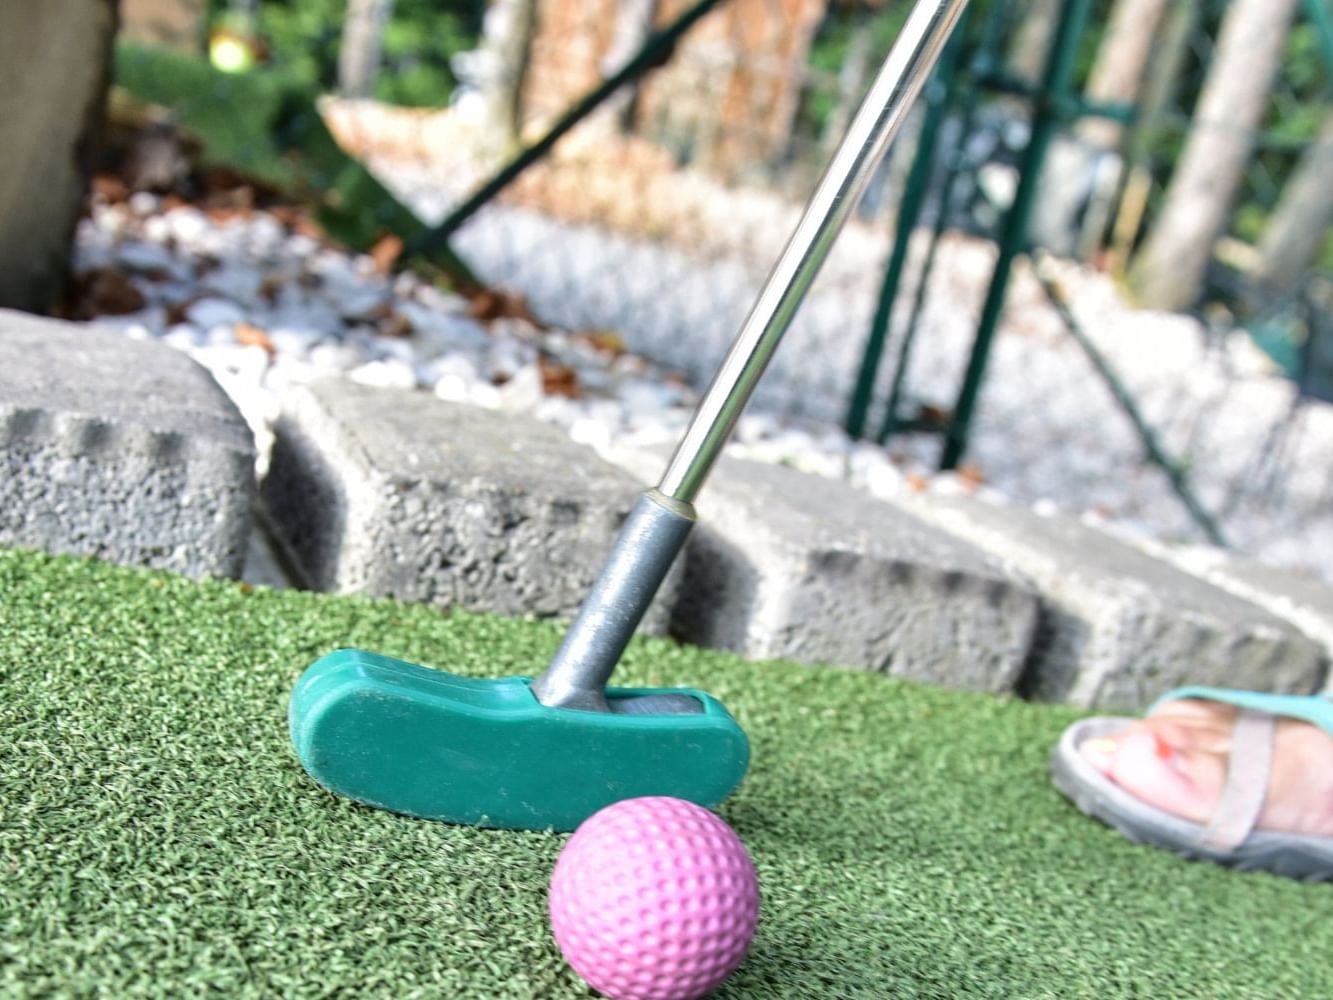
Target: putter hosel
(651,538)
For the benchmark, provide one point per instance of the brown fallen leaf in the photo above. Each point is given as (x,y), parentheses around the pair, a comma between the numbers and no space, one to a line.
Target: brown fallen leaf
(179,312)
(386,251)
(558,379)
(488,305)
(972,476)
(607,341)
(249,335)
(226,213)
(298,222)
(394,324)
(270,288)
(916,482)
(934,416)
(106,292)
(111,189)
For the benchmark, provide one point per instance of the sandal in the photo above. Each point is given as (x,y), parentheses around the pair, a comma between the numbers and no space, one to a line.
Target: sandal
(1230,837)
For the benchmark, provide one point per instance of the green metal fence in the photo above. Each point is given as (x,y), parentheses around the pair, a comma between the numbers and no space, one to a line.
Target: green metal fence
(976,314)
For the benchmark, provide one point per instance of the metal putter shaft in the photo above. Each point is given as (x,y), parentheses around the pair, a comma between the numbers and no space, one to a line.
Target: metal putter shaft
(547,753)
(660,523)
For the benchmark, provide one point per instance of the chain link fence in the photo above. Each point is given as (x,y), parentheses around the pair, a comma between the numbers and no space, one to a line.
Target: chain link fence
(659,216)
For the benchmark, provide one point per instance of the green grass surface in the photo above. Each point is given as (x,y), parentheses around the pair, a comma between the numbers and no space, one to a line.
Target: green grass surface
(157,836)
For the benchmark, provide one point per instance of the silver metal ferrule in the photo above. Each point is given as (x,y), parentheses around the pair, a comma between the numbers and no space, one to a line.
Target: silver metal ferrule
(652,536)
(881,115)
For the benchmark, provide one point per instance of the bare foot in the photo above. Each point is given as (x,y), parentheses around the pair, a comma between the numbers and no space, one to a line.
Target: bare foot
(1176,760)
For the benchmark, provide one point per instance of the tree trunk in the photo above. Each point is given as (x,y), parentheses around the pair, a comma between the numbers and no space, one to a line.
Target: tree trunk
(1122,61)
(633,27)
(1301,222)
(507,33)
(1032,41)
(1170,269)
(55,60)
(359,54)
(1158,95)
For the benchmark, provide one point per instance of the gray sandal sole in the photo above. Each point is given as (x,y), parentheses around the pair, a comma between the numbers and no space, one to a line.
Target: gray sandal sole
(1298,857)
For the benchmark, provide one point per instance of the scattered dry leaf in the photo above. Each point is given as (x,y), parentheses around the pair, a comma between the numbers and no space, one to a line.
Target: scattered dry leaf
(559,379)
(935,416)
(297,221)
(972,476)
(111,188)
(270,288)
(916,482)
(386,251)
(606,340)
(249,335)
(226,213)
(178,312)
(106,292)
(392,323)
(488,305)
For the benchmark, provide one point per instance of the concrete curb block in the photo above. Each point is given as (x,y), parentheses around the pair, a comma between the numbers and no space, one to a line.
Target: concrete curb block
(1305,603)
(1121,627)
(399,494)
(119,449)
(788,565)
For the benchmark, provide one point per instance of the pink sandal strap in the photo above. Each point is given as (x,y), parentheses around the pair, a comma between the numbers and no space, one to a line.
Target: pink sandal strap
(1247,782)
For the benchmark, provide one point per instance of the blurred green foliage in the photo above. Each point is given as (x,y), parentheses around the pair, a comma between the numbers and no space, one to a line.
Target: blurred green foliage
(280,140)
(422,36)
(830,52)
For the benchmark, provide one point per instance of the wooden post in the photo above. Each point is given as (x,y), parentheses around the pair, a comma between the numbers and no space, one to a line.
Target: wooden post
(55,59)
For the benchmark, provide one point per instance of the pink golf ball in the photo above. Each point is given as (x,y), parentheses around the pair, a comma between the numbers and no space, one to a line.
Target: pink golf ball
(654,899)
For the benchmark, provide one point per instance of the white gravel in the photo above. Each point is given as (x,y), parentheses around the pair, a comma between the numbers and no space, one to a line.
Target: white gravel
(263,308)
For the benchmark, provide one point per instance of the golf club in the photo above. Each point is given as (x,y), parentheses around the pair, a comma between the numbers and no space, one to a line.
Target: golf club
(547,753)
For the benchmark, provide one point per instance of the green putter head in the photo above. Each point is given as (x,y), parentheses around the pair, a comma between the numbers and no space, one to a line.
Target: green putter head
(519,753)
(486,752)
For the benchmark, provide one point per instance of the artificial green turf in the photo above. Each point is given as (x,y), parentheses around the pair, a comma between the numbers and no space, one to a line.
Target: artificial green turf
(158,838)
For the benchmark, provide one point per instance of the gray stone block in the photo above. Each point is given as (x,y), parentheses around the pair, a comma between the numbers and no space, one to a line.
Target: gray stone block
(397,493)
(1119,627)
(120,449)
(1303,601)
(788,565)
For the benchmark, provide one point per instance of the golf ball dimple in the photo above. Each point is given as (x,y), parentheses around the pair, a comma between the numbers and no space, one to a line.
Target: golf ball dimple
(654,899)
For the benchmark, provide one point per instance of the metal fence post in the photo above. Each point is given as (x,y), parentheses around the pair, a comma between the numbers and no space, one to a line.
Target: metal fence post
(1049,113)
(939,96)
